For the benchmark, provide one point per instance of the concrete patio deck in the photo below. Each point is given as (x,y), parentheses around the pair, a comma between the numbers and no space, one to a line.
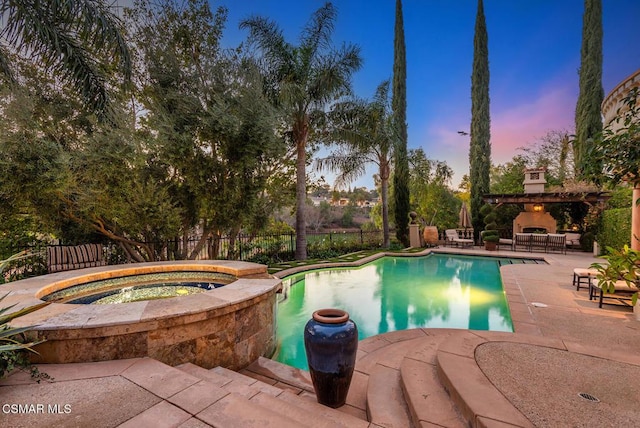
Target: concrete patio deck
(563,345)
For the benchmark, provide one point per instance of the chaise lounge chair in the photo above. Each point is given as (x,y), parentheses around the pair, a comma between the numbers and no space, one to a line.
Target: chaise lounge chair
(451,237)
(583,276)
(623,292)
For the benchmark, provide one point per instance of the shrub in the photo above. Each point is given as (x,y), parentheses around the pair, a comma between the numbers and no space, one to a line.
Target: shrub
(347,216)
(369,227)
(615,229)
(14,344)
(490,233)
(586,241)
(622,265)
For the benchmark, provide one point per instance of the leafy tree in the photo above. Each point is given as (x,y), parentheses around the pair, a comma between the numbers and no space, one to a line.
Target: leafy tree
(615,156)
(74,176)
(588,114)
(79,41)
(323,190)
(554,153)
(399,107)
(364,134)
(213,136)
(509,177)
(200,158)
(465,184)
(431,196)
(302,80)
(480,146)
(620,197)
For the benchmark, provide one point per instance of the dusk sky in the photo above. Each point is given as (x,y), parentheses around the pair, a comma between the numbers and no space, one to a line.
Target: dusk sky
(534,55)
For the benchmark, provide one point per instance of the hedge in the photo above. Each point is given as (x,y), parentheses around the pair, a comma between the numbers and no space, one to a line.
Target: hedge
(616,228)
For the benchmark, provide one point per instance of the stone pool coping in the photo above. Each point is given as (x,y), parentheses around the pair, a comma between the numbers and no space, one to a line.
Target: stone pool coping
(436,250)
(252,281)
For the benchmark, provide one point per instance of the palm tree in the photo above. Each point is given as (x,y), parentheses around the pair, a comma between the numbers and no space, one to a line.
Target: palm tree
(67,37)
(303,80)
(364,132)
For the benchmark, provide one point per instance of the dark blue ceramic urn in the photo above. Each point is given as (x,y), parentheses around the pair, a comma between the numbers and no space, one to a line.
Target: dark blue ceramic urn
(331,342)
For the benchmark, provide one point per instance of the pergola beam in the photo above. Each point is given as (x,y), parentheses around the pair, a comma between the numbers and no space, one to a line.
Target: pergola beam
(589,198)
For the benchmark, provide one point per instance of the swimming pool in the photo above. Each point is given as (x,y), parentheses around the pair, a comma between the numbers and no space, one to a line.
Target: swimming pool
(396,293)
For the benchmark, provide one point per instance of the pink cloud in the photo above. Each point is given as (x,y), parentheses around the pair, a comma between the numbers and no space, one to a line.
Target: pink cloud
(514,126)
(515,122)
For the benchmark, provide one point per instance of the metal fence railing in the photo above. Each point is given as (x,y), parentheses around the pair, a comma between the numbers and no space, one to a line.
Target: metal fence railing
(26,261)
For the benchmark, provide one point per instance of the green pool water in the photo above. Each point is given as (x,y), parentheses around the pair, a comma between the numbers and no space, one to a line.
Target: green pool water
(396,293)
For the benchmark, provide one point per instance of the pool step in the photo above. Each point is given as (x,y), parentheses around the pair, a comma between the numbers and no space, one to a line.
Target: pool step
(258,395)
(281,375)
(187,396)
(412,378)
(298,382)
(426,397)
(396,380)
(385,401)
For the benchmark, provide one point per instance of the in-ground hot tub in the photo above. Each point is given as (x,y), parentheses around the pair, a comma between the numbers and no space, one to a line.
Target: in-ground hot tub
(134,288)
(229,322)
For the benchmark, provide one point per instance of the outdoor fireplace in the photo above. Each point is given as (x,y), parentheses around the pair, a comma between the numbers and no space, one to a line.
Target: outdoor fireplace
(534,218)
(534,229)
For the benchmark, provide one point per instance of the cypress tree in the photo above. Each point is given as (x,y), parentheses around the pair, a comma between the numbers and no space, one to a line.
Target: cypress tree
(588,113)
(480,146)
(399,109)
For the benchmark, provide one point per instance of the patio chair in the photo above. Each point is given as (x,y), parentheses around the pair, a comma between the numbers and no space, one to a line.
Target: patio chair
(573,240)
(451,237)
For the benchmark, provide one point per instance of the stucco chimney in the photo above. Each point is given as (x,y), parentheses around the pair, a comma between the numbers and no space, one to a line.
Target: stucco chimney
(534,180)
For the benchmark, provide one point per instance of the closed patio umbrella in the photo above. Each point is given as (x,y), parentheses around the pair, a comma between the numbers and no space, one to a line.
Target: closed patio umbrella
(464,218)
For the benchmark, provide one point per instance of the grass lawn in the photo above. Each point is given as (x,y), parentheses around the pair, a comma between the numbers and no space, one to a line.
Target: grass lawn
(350,257)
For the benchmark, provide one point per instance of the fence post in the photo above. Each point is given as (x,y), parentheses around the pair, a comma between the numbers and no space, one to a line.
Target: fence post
(361,237)
(291,242)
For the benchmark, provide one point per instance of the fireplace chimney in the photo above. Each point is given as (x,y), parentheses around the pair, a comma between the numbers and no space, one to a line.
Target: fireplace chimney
(534,180)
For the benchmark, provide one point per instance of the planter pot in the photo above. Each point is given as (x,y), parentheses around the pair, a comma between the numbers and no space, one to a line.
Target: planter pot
(430,235)
(636,310)
(331,342)
(490,246)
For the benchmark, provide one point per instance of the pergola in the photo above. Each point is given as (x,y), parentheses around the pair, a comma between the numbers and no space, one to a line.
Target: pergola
(534,212)
(589,198)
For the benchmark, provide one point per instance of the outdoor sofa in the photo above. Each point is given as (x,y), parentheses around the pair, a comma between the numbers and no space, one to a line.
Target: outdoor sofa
(547,242)
(69,257)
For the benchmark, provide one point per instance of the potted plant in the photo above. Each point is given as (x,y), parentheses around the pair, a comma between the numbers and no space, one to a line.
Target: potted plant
(622,265)
(490,234)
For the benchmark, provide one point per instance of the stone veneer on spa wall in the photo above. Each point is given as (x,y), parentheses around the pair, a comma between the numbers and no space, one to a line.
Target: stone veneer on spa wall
(229,326)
